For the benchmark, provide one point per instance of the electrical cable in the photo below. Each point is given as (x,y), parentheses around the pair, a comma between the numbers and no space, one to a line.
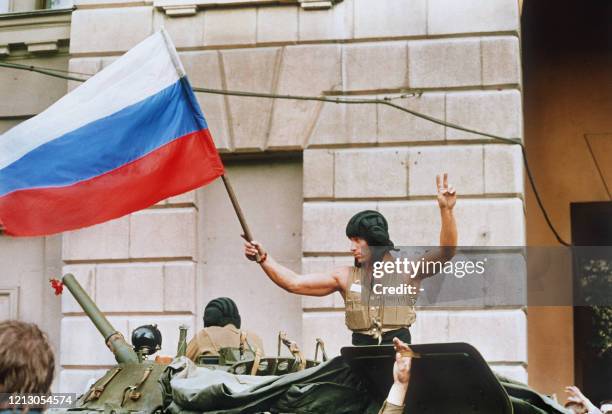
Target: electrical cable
(329,99)
(44,71)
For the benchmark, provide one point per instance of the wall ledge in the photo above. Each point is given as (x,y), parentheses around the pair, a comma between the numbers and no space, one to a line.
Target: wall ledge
(36,13)
(41,31)
(179,8)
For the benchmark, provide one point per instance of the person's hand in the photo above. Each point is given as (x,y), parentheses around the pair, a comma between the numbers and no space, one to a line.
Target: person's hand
(401,375)
(575,408)
(446,193)
(576,396)
(401,368)
(252,249)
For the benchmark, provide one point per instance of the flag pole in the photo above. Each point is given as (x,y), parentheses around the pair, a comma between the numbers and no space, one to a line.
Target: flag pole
(180,70)
(232,196)
(237,208)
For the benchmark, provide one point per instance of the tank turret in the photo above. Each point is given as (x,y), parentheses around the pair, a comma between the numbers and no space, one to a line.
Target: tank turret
(132,385)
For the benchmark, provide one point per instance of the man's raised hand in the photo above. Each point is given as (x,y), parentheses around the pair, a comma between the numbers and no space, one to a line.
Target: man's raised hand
(446,193)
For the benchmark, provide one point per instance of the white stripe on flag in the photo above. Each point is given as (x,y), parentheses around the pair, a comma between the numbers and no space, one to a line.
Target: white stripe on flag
(141,72)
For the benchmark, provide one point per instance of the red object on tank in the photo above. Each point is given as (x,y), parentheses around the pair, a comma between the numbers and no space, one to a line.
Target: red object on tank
(57,285)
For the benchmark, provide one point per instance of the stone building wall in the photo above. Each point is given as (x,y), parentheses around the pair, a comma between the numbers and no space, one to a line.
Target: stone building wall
(457,60)
(27,264)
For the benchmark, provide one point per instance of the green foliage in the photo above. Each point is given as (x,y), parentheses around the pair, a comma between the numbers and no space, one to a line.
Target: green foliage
(595,281)
(602,325)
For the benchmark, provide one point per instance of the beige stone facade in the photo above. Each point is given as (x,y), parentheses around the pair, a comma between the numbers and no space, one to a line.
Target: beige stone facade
(455,60)
(26,265)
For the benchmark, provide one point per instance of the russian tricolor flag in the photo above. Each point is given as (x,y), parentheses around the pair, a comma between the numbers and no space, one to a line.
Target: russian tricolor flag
(130,136)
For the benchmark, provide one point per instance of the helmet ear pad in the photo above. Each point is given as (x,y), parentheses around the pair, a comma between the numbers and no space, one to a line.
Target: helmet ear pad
(377,236)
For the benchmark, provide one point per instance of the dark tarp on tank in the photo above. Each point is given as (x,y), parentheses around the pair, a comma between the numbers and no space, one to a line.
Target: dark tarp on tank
(314,390)
(357,382)
(526,401)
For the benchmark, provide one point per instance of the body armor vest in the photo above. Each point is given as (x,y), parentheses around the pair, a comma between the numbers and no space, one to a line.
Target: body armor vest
(378,316)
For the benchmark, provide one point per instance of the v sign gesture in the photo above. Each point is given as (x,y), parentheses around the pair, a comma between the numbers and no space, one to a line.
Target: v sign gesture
(446,193)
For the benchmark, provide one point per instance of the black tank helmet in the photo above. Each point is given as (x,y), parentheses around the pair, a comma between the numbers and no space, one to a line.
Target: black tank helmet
(220,312)
(371,226)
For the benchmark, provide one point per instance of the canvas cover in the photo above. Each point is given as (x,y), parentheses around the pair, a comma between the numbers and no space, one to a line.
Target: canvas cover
(356,382)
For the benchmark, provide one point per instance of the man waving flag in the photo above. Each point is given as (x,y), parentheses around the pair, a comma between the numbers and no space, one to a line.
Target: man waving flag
(130,136)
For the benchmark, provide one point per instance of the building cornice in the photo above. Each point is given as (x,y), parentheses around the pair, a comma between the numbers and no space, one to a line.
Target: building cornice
(178,8)
(35,14)
(41,31)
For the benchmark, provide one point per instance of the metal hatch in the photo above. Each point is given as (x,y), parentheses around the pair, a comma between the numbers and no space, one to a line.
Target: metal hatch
(445,378)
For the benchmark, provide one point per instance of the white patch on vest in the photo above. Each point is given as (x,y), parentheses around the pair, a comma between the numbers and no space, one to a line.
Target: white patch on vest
(356,288)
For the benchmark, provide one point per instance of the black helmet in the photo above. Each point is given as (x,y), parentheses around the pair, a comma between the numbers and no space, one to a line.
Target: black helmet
(371,226)
(147,338)
(220,312)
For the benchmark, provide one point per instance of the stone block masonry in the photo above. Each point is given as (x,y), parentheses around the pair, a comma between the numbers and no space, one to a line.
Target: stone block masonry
(454,60)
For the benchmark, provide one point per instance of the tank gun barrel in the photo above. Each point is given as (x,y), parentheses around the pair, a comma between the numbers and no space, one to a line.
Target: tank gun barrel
(114,339)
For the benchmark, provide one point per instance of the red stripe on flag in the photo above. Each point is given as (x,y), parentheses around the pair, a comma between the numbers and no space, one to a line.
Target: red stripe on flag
(179,166)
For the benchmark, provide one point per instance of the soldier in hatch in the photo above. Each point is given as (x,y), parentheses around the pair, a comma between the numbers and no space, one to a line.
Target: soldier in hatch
(221,330)
(368,233)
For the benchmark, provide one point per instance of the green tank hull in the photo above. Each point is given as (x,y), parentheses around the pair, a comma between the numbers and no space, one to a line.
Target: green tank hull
(446,378)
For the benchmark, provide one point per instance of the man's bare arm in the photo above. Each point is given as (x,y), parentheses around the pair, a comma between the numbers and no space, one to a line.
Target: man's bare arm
(314,284)
(447,198)
(448,230)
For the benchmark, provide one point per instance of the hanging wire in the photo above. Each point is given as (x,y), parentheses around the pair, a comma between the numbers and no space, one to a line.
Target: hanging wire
(57,73)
